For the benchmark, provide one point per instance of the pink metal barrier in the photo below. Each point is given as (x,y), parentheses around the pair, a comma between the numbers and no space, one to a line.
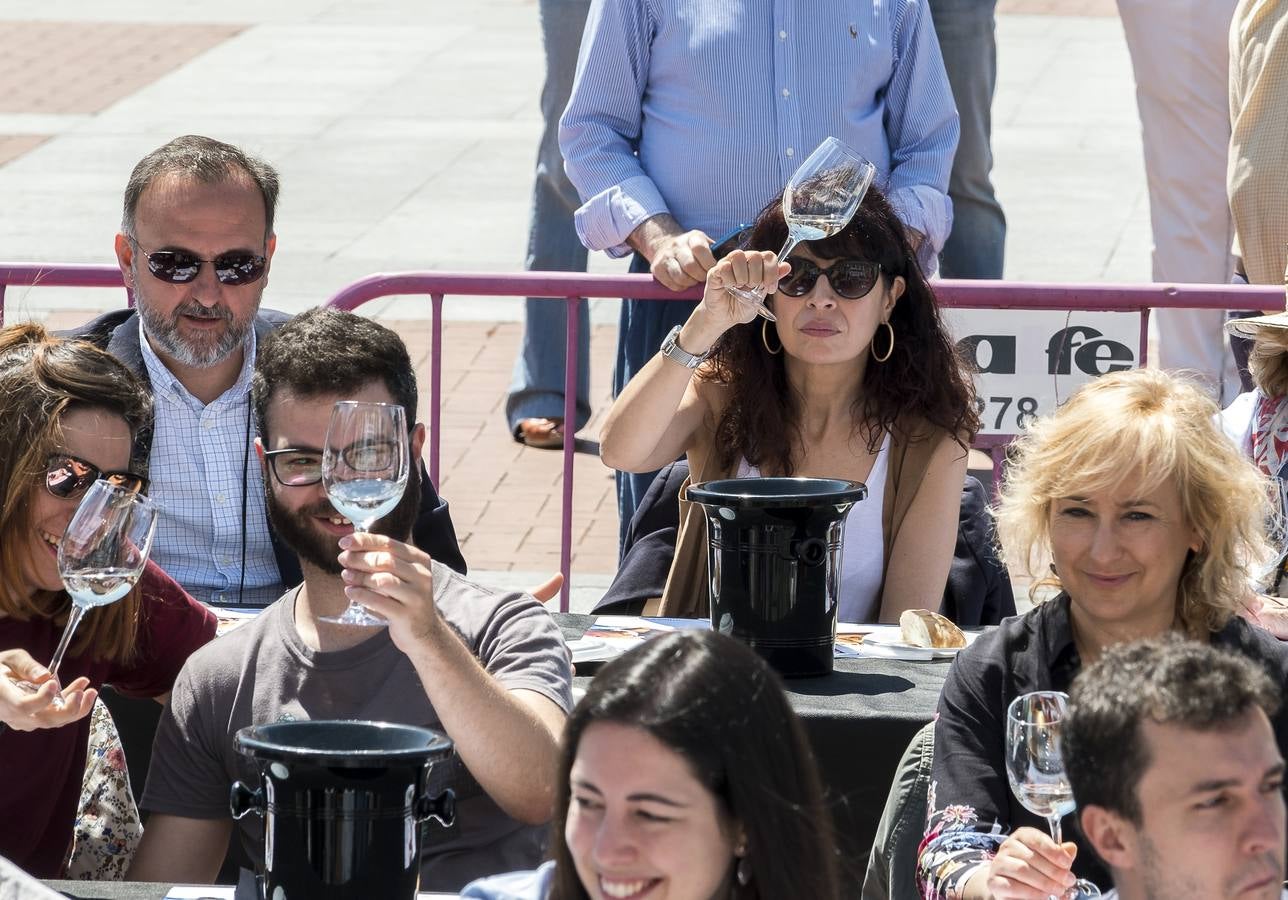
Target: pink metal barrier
(572,289)
(59,275)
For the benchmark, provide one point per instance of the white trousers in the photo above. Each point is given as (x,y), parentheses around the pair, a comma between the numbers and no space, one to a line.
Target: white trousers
(1180,55)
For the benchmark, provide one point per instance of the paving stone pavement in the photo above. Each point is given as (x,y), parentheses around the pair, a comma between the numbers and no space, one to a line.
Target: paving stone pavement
(406,133)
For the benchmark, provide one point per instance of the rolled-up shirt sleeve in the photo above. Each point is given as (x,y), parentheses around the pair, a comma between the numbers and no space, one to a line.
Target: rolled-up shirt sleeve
(922,128)
(967,801)
(600,129)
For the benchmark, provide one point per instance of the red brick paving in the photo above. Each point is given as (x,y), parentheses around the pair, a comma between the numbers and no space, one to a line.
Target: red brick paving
(13,146)
(80,68)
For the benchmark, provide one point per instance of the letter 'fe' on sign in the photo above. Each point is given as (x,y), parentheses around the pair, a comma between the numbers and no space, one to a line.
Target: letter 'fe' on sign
(1027,362)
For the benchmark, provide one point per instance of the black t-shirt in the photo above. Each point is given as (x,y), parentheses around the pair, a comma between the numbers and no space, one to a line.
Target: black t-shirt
(972,809)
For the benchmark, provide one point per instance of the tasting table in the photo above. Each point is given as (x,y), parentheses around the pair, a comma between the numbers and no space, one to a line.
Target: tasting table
(141,890)
(859,720)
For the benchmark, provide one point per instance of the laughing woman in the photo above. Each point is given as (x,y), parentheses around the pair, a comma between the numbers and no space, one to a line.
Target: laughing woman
(858,379)
(70,414)
(705,789)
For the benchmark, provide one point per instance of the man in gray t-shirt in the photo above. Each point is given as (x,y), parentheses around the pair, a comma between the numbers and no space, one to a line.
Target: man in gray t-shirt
(488,668)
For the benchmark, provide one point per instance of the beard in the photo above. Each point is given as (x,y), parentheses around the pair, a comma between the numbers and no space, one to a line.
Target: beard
(321,550)
(164,332)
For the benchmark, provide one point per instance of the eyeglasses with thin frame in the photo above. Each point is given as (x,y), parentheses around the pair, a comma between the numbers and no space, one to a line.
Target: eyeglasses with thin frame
(294,467)
(849,278)
(68,477)
(236,267)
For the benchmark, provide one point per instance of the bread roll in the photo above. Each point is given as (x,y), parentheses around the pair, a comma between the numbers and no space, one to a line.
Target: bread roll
(923,628)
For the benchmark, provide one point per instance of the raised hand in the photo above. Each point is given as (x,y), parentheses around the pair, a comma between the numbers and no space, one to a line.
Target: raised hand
(750,270)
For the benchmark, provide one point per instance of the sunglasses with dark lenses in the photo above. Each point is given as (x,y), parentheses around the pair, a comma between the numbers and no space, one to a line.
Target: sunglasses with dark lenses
(181,267)
(68,477)
(849,278)
(300,468)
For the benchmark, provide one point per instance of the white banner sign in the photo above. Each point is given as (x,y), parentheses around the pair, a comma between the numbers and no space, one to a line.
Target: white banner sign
(1030,361)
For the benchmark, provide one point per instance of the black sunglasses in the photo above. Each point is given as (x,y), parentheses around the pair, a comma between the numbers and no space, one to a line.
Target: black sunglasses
(849,278)
(180,267)
(68,477)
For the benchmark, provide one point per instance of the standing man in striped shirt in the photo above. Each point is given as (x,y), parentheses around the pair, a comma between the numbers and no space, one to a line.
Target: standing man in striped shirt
(687,116)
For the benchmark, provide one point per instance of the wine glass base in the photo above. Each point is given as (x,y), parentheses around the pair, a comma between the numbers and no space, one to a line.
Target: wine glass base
(357,615)
(752,298)
(31,687)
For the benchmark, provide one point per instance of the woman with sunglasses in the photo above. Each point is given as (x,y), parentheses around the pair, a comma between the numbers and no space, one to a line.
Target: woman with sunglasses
(71,415)
(857,379)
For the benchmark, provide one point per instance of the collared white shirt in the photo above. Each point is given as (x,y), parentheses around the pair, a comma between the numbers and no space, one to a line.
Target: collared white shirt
(202,465)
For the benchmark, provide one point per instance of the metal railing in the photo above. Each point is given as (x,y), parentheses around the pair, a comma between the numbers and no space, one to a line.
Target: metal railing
(575,288)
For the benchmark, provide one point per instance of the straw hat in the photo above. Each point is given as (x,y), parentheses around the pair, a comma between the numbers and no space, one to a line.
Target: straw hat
(1250,327)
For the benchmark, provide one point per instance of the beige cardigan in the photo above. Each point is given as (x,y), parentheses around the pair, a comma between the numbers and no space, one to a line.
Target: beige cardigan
(687,592)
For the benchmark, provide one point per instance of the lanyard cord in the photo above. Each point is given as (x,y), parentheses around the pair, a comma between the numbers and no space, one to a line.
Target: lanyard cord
(245,477)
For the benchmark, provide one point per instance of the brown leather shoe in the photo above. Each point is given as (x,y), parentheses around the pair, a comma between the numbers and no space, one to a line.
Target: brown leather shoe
(543,434)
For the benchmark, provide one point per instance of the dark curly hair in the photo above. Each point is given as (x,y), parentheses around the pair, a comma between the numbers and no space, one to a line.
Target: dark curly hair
(924,377)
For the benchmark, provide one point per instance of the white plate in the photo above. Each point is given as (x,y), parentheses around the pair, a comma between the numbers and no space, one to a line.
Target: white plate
(587,650)
(894,641)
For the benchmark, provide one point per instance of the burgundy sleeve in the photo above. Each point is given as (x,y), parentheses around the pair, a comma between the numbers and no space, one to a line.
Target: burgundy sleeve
(171,626)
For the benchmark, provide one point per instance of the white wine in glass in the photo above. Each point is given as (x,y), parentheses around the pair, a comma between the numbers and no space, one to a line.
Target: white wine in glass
(365,465)
(819,200)
(1035,767)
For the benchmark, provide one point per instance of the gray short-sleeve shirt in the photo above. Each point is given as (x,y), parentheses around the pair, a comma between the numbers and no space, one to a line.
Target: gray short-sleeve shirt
(263,672)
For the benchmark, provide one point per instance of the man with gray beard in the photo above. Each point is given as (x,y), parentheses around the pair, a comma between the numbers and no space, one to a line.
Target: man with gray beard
(195,248)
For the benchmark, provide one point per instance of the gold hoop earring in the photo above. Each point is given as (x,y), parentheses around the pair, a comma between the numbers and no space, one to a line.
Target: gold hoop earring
(889,349)
(764,339)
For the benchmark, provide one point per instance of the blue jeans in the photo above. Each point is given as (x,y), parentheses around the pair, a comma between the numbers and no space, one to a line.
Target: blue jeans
(537,385)
(975,246)
(644,323)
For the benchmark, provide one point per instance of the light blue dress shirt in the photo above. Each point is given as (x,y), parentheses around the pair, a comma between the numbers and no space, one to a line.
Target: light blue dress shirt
(704,108)
(197,477)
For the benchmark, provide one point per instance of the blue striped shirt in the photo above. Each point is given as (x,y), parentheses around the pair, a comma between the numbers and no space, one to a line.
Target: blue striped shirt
(703,109)
(196,467)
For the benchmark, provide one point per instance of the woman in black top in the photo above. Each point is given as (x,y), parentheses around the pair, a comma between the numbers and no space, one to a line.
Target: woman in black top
(1153,523)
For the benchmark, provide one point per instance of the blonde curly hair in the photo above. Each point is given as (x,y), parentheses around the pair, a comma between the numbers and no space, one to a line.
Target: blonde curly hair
(1158,425)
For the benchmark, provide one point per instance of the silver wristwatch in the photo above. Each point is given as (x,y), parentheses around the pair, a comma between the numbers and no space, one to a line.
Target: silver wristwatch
(671,349)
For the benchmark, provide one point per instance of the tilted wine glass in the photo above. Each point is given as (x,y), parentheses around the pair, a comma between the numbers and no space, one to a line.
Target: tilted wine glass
(364,469)
(101,556)
(1035,767)
(819,200)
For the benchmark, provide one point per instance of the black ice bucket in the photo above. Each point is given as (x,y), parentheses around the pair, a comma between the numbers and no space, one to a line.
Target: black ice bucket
(342,804)
(775,564)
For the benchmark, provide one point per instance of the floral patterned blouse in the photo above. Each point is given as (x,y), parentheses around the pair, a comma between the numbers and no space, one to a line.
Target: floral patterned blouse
(970,807)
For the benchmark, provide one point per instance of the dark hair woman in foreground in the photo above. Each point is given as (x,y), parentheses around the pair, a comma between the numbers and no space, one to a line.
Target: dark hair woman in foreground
(685,775)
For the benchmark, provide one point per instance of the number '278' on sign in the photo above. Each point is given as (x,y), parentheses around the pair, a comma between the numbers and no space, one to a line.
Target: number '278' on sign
(1027,362)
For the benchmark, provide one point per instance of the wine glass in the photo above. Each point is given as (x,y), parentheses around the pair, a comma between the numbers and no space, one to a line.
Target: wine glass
(1035,768)
(364,470)
(101,556)
(819,200)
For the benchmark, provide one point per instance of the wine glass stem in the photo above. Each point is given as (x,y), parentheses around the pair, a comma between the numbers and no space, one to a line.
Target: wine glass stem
(787,247)
(1056,834)
(73,620)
